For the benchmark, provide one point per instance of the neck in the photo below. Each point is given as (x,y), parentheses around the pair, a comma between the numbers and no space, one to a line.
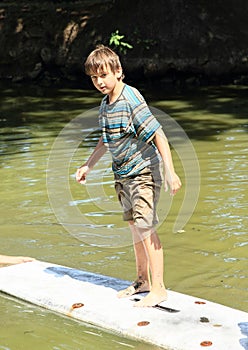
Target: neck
(116,92)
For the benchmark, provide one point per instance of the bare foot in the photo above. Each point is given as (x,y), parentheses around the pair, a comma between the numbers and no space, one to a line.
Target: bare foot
(152,299)
(139,286)
(11,260)
(22,259)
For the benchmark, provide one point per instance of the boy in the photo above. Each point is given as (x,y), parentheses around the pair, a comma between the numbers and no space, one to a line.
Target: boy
(138,147)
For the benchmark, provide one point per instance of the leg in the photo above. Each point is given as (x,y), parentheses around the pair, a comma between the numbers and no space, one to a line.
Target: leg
(156,262)
(142,283)
(142,261)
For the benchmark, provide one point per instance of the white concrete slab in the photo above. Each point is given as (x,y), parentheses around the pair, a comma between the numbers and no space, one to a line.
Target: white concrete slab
(198,324)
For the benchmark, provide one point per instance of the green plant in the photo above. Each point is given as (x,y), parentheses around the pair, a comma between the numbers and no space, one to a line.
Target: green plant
(116,40)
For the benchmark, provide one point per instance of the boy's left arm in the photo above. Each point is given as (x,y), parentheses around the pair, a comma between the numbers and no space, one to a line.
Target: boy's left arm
(170,177)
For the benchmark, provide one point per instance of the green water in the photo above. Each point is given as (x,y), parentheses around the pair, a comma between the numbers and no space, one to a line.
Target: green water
(46,214)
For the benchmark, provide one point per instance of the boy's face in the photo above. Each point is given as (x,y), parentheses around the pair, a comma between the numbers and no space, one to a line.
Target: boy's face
(105,80)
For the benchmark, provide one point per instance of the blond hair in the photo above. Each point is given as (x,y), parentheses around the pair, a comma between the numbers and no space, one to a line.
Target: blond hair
(100,58)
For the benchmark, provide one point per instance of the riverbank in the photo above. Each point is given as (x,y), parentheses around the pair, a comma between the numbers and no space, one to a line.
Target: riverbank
(173,42)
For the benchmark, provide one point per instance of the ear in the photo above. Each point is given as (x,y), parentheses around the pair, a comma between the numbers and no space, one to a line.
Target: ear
(119,73)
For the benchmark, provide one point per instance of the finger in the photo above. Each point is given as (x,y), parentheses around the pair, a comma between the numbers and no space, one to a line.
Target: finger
(78,178)
(174,190)
(82,179)
(165,187)
(79,175)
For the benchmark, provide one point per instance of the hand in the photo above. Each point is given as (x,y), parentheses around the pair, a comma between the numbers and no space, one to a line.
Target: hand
(82,173)
(173,181)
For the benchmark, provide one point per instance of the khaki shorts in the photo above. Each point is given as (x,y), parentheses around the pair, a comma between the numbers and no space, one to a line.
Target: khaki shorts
(139,196)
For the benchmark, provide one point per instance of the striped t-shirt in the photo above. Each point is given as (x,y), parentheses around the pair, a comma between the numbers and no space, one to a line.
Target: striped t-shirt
(128,127)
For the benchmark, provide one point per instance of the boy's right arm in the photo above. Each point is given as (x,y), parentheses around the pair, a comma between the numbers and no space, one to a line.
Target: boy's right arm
(93,159)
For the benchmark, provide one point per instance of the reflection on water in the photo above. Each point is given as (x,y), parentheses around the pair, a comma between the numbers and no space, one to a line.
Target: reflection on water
(208,258)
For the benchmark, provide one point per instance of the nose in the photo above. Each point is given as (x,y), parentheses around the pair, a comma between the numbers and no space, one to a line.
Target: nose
(99,81)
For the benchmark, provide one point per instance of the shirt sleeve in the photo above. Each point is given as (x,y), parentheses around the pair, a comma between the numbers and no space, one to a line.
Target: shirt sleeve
(144,121)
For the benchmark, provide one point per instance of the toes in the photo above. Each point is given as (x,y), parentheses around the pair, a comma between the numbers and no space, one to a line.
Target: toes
(139,286)
(126,292)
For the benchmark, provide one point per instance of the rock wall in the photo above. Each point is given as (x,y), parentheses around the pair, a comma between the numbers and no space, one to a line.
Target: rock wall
(197,41)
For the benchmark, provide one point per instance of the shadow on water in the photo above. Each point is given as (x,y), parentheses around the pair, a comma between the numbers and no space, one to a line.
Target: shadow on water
(33,115)
(207,111)
(201,113)
(46,107)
